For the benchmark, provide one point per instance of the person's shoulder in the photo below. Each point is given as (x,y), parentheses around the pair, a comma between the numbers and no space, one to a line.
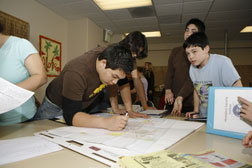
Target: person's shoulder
(220,58)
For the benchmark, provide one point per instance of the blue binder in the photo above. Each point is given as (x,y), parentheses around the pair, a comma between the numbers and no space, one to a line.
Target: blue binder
(210,115)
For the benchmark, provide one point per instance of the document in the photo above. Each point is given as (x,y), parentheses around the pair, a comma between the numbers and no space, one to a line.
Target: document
(12,96)
(227,107)
(140,136)
(14,150)
(224,111)
(154,112)
(166,158)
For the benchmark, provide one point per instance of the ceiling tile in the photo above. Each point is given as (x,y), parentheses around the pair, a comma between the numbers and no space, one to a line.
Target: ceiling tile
(169,15)
(229,5)
(196,7)
(229,15)
(120,14)
(163,2)
(169,19)
(187,17)
(171,9)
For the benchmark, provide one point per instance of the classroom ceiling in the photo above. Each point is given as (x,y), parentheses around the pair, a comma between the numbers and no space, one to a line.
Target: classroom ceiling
(167,16)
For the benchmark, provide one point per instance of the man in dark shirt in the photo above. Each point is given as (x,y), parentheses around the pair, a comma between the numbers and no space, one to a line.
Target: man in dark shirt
(80,83)
(178,85)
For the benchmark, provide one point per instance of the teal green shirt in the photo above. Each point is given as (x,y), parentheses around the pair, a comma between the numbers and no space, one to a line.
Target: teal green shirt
(12,56)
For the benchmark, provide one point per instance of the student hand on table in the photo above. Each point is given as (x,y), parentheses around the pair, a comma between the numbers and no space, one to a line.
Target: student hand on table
(169,96)
(116,122)
(192,114)
(246,109)
(177,107)
(247,140)
(133,114)
(120,111)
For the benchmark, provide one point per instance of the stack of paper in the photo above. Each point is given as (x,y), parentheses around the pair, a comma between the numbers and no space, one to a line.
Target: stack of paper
(12,96)
(165,158)
(13,150)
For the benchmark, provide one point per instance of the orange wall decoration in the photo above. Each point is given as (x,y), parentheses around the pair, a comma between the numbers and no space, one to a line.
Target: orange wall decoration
(50,52)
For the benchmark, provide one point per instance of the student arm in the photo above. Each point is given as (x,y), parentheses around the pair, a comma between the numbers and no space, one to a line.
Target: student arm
(37,72)
(126,97)
(114,123)
(140,89)
(237,83)
(169,97)
(247,140)
(112,91)
(73,116)
(246,109)
(196,102)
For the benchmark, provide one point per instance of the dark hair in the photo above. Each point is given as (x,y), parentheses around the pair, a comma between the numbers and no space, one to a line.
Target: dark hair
(198,39)
(140,69)
(134,41)
(1,28)
(198,23)
(118,57)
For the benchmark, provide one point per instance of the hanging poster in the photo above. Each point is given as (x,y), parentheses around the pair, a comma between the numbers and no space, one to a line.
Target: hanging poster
(50,52)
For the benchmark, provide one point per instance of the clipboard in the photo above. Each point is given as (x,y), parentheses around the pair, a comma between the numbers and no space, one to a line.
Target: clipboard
(223,116)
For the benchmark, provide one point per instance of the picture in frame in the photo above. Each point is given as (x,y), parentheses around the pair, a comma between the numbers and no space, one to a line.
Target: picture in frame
(50,52)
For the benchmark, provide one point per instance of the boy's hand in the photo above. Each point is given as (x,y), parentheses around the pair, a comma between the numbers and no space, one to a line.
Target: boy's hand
(177,107)
(246,109)
(133,114)
(247,140)
(192,114)
(116,122)
(169,96)
(120,111)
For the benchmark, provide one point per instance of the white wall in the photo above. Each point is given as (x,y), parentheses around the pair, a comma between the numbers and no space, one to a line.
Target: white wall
(77,38)
(95,35)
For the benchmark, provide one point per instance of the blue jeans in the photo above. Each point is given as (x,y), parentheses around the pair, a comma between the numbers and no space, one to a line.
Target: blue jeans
(47,110)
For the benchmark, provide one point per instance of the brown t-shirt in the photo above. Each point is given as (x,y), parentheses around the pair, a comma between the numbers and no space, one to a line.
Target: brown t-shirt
(177,76)
(77,81)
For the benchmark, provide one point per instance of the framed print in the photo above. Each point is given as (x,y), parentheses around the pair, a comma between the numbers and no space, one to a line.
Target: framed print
(50,52)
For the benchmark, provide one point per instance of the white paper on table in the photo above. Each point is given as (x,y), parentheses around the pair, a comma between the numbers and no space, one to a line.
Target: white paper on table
(140,135)
(154,112)
(227,110)
(17,149)
(12,96)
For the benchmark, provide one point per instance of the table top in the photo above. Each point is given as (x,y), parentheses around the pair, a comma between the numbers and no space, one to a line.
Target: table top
(197,141)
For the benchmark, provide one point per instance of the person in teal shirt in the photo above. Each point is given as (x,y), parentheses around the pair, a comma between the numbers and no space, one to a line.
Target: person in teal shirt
(20,64)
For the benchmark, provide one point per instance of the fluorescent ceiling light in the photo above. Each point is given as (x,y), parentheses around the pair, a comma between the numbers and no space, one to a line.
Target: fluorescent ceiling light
(150,34)
(119,4)
(247,29)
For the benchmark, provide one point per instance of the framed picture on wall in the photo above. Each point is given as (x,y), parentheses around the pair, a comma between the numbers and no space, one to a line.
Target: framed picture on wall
(50,52)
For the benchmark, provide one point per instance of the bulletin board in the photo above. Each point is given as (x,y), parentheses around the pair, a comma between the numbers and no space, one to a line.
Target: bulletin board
(50,52)
(14,26)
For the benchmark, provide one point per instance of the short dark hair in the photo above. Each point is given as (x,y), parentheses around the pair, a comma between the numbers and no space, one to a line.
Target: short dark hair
(198,39)
(1,28)
(134,41)
(118,57)
(198,23)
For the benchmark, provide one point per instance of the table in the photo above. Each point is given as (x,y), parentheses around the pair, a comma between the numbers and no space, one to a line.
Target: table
(196,142)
